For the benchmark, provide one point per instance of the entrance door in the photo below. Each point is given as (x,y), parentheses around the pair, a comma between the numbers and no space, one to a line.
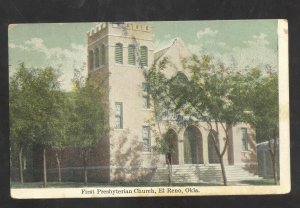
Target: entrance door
(172,138)
(193,153)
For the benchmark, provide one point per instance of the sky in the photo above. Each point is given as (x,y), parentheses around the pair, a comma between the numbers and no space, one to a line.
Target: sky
(236,43)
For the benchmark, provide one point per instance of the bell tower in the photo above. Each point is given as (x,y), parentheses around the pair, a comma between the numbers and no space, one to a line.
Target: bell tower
(117,55)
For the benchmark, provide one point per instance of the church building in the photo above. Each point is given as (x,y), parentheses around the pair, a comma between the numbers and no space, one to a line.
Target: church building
(117,55)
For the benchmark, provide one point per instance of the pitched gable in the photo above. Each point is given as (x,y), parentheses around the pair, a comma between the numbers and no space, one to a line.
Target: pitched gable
(175,53)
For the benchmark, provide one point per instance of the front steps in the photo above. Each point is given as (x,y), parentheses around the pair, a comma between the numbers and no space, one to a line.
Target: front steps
(203,174)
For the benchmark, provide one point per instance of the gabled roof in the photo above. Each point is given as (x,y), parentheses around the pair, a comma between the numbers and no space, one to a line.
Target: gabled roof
(176,52)
(160,53)
(176,45)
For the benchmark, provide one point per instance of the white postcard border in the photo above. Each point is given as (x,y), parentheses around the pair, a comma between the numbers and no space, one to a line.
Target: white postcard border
(284,154)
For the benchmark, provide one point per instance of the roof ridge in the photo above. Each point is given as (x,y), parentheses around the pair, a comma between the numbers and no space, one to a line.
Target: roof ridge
(173,42)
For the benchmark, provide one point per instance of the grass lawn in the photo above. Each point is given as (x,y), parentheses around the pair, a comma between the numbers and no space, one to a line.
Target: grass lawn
(79,185)
(269,181)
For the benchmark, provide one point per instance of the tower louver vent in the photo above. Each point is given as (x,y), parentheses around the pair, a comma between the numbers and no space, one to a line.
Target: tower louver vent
(119,53)
(144,56)
(131,54)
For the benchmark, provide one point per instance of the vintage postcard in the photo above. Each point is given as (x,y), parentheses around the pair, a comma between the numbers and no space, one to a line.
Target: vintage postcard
(131,109)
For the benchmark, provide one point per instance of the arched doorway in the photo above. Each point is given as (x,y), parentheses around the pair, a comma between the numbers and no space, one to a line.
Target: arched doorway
(193,147)
(212,152)
(172,139)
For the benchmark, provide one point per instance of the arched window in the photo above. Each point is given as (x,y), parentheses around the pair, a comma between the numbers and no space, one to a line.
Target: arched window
(91,60)
(171,139)
(97,57)
(119,53)
(193,146)
(144,56)
(179,88)
(103,55)
(181,77)
(131,54)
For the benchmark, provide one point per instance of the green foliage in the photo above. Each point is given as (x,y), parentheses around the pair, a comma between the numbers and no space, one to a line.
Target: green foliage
(87,116)
(263,104)
(158,88)
(162,146)
(217,93)
(41,113)
(20,109)
(220,95)
(35,106)
(214,93)
(36,111)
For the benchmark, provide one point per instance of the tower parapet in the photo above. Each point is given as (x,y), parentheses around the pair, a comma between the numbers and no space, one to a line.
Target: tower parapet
(142,32)
(128,29)
(96,32)
(96,29)
(138,27)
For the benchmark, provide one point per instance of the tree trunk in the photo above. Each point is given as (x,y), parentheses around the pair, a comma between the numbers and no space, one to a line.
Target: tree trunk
(24,163)
(21,165)
(223,170)
(58,166)
(273,156)
(44,167)
(221,154)
(84,168)
(274,169)
(169,162)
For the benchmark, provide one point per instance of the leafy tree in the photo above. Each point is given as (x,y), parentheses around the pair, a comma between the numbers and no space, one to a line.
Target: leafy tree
(159,92)
(87,119)
(264,108)
(62,140)
(156,87)
(164,145)
(35,109)
(46,100)
(20,112)
(212,95)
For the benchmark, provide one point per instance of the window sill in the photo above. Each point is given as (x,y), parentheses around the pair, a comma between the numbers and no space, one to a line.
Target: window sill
(146,109)
(131,65)
(145,67)
(97,68)
(119,129)
(245,151)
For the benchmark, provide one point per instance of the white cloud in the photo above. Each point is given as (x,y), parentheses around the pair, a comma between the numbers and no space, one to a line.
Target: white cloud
(255,53)
(63,59)
(221,44)
(37,44)
(12,45)
(207,32)
(202,45)
(257,40)
(196,48)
